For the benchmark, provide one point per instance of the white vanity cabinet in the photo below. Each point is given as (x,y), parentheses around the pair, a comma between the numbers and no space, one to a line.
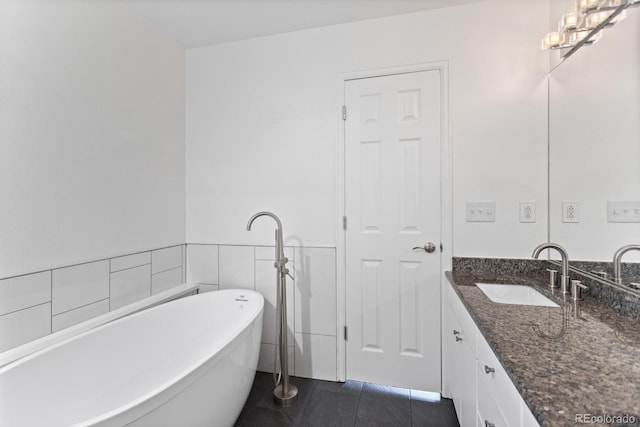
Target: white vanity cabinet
(481,390)
(459,362)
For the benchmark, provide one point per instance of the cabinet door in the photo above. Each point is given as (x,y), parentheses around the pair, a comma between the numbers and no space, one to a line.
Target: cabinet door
(488,411)
(499,384)
(468,385)
(451,358)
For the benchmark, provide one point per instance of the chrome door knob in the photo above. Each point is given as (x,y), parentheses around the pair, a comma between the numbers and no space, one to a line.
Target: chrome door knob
(428,248)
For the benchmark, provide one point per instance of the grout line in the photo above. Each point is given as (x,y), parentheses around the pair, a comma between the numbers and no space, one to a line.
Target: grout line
(185,259)
(218,266)
(411,408)
(80,306)
(23,309)
(109,305)
(128,268)
(169,269)
(355,420)
(261,246)
(312,333)
(51,301)
(150,280)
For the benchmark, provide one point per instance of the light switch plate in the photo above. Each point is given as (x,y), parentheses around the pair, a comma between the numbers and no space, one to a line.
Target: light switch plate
(481,211)
(623,211)
(528,211)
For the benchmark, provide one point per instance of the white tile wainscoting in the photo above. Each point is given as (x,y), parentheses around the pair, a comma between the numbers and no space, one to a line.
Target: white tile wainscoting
(311,298)
(35,305)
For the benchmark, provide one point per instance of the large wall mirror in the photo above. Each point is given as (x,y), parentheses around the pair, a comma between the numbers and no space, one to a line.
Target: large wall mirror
(594,149)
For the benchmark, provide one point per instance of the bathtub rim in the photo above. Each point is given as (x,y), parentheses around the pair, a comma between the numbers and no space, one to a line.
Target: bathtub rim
(14,354)
(147,402)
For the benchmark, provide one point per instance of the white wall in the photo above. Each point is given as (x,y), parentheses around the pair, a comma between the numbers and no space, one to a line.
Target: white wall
(262,123)
(91,135)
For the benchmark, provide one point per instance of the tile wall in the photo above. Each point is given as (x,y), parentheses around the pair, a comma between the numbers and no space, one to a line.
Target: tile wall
(311,298)
(35,305)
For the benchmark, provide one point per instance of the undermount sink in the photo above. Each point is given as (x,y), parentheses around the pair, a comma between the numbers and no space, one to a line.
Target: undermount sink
(515,294)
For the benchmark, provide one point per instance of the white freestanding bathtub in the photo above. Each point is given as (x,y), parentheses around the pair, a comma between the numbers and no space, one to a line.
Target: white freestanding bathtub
(190,362)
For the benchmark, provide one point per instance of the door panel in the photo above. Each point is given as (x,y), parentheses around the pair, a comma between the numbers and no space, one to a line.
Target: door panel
(393,204)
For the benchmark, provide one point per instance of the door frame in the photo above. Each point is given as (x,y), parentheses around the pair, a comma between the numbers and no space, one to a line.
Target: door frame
(446,230)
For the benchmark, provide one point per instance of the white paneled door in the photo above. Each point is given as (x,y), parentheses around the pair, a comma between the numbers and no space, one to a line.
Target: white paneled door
(393,228)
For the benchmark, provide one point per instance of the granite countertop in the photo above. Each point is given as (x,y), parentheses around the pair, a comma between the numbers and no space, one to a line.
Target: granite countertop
(564,361)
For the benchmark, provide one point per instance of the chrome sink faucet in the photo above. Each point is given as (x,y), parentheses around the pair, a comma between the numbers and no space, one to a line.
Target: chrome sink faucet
(564,278)
(617,261)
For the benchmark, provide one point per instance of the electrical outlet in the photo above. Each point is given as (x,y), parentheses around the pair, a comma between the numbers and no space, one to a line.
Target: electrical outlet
(570,211)
(481,211)
(623,211)
(527,211)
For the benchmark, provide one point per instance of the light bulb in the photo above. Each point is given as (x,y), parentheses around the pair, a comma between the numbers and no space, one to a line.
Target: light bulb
(569,21)
(552,40)
(584,6)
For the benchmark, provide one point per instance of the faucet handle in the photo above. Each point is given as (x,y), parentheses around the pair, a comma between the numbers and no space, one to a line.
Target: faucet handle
(601,273)
(576,290)
(289,274)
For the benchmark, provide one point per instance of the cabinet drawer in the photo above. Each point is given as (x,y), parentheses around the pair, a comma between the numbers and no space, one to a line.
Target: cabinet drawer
(488,412)
(467,326)
(498,382)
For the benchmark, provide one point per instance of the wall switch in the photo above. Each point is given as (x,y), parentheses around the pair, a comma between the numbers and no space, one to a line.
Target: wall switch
(527,211)
(623,211)
(570,211)
(481,211)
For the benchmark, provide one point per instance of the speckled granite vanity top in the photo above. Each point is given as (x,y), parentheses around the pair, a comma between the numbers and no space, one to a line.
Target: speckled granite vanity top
(562,360)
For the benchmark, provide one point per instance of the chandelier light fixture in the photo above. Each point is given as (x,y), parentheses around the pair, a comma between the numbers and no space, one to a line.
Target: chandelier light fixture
(585,25)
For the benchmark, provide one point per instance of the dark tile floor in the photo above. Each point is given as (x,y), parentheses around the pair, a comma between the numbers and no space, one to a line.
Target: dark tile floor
(354,404)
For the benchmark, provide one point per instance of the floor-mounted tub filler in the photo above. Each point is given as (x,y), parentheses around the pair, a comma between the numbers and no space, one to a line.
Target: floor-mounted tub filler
(285,394)
(189,362)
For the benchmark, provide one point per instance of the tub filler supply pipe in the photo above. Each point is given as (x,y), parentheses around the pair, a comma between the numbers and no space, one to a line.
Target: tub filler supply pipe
(285,393)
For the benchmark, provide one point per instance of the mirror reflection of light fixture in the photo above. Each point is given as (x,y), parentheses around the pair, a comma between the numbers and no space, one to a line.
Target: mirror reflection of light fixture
(584,26)
(577,36)
(584,6)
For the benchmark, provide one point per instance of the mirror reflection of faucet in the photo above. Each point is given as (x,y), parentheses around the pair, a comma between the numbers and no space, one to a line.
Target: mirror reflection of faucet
(576,290)
(553,279)
(617,261)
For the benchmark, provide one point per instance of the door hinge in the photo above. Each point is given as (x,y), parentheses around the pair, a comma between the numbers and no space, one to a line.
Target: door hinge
(345,332)
(344,112)
(344,223)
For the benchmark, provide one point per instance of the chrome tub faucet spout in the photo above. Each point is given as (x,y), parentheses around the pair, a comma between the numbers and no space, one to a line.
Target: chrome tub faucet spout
(564,278)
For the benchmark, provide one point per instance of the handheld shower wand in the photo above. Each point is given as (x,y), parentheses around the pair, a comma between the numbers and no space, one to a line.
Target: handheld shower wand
(284,394)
